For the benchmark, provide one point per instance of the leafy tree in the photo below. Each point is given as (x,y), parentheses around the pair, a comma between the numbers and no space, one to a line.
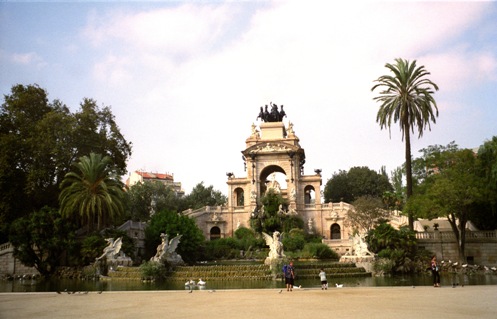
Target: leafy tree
(294,240)
(368,211)
(172,223)
(269,218)
(357,182)
(406,97)
(92,192)
(97,132)
(204,196)
(397,245)
(451,187)
(40,140)
(143,198)
(487,162)
(41,239)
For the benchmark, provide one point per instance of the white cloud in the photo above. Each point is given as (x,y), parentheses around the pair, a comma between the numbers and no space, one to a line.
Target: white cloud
(187,81)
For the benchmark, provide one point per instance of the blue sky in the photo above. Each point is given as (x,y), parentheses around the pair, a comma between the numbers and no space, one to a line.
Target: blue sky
(185,80)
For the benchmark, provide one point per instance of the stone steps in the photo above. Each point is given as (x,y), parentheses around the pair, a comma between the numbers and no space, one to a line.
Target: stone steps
(252,272)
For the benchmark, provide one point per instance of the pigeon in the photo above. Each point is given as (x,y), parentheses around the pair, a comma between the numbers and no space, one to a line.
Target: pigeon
(100,292)
(339,285)
(280,291)
(190,291)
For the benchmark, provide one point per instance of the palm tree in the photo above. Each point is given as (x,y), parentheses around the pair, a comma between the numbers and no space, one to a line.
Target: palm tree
(92,192)
(406,97)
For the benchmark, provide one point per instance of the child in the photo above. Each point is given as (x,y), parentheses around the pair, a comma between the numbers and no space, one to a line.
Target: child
(324,282)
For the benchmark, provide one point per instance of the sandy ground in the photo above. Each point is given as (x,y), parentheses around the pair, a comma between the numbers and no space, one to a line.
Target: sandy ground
(347,302)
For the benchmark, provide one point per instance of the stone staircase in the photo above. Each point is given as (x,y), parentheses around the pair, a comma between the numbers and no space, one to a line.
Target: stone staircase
(246,272)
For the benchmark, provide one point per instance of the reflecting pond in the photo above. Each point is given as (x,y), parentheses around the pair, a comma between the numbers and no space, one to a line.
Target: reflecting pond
(134,285)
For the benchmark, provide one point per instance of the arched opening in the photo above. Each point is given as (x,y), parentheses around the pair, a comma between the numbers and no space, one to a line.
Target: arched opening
(239,197)
(274,177)
(309,195)
(335,232)
(215,233)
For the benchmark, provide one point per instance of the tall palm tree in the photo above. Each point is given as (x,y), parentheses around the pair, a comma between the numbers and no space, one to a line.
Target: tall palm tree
(406,97)
(92,192)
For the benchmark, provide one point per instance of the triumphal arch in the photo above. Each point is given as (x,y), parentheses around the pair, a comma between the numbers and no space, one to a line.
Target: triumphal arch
(274,158)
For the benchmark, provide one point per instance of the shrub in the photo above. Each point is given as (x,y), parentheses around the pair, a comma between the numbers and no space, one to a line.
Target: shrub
(153,270)
(319,251)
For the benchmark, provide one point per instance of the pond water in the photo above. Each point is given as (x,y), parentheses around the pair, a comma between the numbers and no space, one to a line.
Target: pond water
(136,285)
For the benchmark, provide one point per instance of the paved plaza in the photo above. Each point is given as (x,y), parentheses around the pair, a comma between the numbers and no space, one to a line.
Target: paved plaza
(348,302)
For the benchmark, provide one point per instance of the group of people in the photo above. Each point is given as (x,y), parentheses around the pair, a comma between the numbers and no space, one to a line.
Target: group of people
(289,273)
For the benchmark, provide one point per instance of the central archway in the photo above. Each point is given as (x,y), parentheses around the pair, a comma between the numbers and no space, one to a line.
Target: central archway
(273,175)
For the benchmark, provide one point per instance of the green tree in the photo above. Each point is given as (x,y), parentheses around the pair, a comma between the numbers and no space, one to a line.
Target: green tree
(368,212)
(40,140)
(171,223)
(93,192)
(450,187)
(399,246)
(41,239)
(487,162)
(357,182)
(204,196)
(269,217)
(407,98)
(150,196)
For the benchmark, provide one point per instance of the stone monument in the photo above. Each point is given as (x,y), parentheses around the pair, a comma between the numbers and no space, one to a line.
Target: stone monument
(113,256)
(275,249)
(166,251)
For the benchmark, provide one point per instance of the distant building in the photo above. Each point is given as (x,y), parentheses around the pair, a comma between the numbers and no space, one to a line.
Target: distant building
(166,179)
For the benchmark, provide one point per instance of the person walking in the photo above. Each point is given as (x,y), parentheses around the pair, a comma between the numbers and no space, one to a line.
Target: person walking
(324,282)
(435,271)
(289,277)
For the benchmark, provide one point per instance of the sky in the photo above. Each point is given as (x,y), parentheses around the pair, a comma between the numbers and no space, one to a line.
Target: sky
(185,80)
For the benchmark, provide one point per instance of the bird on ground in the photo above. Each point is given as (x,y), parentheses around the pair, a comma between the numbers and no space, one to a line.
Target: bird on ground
(339,285)
(201,282)
(280,291)
(212,291)
(190,291)
(58,292)
(100,292)
(85,293)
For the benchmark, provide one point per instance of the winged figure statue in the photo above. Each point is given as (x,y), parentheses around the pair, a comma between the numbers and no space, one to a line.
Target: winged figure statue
(275,245)
(112,249)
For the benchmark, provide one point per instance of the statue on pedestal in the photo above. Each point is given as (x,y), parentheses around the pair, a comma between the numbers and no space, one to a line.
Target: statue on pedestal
(166,251)
(275,248)
(112,256)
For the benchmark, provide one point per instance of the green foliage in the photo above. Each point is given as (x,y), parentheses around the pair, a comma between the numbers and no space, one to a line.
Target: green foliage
(204,196)
(92,192)
(294,240)
(91,248)
(152,270)
(319,251)
(41,238)
(223,248)
(247,239)
(150,195)
(358,181)
(269,219)
(172,223)
(39,142)
(368,211)
(398,246)
(449,185)
(487,163)
(292,222)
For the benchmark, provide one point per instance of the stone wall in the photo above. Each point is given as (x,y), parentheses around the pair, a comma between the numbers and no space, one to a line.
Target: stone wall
(481,246)
(10,265)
